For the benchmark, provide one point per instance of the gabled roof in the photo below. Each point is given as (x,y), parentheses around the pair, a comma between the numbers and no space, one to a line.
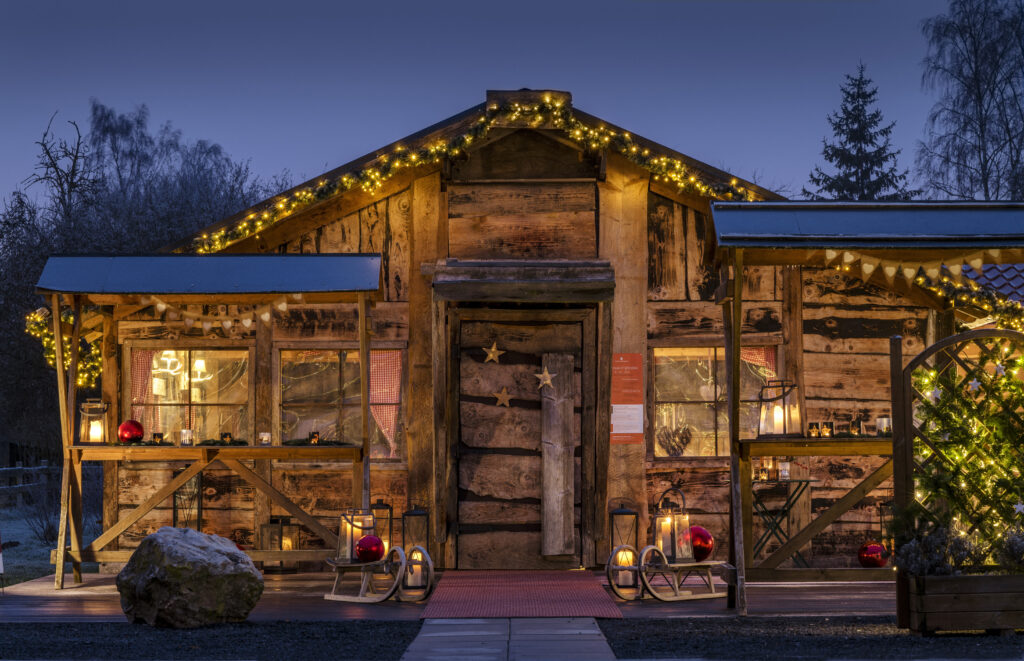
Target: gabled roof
(532,109)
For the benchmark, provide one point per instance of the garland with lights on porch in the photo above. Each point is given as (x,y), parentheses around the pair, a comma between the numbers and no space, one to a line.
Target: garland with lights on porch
(550,112)
(90,365)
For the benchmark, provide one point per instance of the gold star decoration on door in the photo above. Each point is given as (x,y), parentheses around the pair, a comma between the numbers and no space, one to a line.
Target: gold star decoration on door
(493,353)
(545,379)
(503,397)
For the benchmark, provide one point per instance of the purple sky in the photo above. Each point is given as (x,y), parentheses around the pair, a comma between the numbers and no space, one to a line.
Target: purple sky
(744,85)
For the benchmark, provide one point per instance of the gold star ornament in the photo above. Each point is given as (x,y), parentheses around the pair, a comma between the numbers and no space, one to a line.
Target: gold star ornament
(545,379)
(503,397)
(493,353)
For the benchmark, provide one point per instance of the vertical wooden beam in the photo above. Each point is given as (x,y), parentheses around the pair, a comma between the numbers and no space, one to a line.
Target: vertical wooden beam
(451,417)
(263,404)
(622,222)
(75,507)
(110,385)
(65,479)
(740,501)
(602,430)
(439,351)
(361,469)
(588,441)
(557,447)
(793,369)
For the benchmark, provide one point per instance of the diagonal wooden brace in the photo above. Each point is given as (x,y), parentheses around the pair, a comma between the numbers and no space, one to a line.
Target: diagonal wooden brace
(282,501)
(840,507)
(143,509)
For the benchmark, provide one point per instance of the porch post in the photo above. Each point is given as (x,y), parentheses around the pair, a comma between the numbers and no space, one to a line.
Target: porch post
(62,401)
(361,469)
(739,465)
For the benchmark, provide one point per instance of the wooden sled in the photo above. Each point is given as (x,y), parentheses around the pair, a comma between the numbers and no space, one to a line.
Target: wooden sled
(378,581)
(651,564)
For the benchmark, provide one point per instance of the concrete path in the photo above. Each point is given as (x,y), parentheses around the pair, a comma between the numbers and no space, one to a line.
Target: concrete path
(510,639)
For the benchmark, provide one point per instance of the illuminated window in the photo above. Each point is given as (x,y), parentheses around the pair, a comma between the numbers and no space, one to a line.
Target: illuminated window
(320,393)
(691,417)
(205,390)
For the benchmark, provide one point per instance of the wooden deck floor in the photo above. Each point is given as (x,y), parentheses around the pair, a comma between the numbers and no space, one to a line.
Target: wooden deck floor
(299,597)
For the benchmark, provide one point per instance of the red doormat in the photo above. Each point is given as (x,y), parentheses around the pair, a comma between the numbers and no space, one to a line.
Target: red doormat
(520,594)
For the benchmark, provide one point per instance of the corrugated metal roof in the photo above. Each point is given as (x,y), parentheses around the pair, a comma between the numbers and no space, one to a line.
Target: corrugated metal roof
(868,225)
(211,274)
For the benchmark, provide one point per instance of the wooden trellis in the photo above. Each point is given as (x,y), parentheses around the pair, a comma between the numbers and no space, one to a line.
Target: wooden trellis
(958,442)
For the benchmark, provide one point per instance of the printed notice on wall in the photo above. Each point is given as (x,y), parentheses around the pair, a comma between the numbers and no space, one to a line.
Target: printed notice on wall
(627,398)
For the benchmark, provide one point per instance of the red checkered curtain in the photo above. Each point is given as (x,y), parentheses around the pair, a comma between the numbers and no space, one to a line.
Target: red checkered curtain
(386,391)
(142,390)
(763,357)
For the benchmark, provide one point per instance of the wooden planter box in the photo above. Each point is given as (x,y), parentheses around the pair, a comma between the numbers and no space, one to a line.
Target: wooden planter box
(947,603)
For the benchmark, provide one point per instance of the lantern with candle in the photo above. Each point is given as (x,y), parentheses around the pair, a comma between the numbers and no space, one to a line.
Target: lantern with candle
(355,523)
(93,427)
(383,525)
(415,531)
(779,409)
(625,525)
(280,535)
(672,526)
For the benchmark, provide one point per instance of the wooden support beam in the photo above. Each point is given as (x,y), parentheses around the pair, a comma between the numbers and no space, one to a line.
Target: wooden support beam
(282,501)
(557,445)
(740,496)
(439,336)
(838,508)
(361,469)
(62,400)
(300,555)
(111,533)
(263,397)
(75,485)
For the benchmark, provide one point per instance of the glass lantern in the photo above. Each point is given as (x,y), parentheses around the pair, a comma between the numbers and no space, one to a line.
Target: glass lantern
(280,535)
(415,532)
(93,427)
(779,409)
(672,527)
(355,523)
(383,524)
(187,504)
(625,528)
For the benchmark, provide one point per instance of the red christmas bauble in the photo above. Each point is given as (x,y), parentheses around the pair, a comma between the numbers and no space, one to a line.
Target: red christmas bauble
(130,431)
(703,543)
(872,554)
(369,548)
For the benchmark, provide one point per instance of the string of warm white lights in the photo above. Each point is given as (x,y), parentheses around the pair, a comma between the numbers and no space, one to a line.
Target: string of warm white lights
(551,111)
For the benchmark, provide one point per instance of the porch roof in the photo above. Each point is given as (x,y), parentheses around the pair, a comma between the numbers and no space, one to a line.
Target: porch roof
(781,233)
(241,277)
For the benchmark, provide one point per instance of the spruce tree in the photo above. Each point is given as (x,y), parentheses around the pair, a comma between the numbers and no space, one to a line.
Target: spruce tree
(861,153)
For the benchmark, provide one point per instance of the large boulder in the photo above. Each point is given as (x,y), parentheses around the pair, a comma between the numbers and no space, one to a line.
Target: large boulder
(181,578)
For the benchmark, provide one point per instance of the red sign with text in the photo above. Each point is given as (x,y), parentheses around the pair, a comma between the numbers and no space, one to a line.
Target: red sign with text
(627,399)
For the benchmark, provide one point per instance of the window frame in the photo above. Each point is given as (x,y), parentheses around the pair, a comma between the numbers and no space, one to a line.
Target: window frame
(339,345)
(695,343)
(193,344)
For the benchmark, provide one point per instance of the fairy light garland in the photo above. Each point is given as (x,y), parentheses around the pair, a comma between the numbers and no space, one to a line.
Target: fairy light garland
(1006,312)
(551,111)
(90,358)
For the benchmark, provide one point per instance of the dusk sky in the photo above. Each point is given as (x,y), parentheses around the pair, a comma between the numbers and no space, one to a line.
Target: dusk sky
(744,85)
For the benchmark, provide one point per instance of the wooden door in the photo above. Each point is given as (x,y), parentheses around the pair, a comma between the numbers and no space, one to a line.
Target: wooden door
(518,497)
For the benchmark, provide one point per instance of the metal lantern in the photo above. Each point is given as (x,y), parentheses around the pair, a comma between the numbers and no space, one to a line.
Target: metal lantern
(672,527)
(415,532)
(355,523)
(280,535)
(383,524)
(93,427)
(780,409)
(187,504)
(625,527)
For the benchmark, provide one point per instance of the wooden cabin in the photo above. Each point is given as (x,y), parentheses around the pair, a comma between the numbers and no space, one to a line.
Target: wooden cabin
(545,275)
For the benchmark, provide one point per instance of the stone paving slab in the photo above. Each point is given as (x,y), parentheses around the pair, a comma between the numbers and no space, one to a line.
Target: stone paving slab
(508,639)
